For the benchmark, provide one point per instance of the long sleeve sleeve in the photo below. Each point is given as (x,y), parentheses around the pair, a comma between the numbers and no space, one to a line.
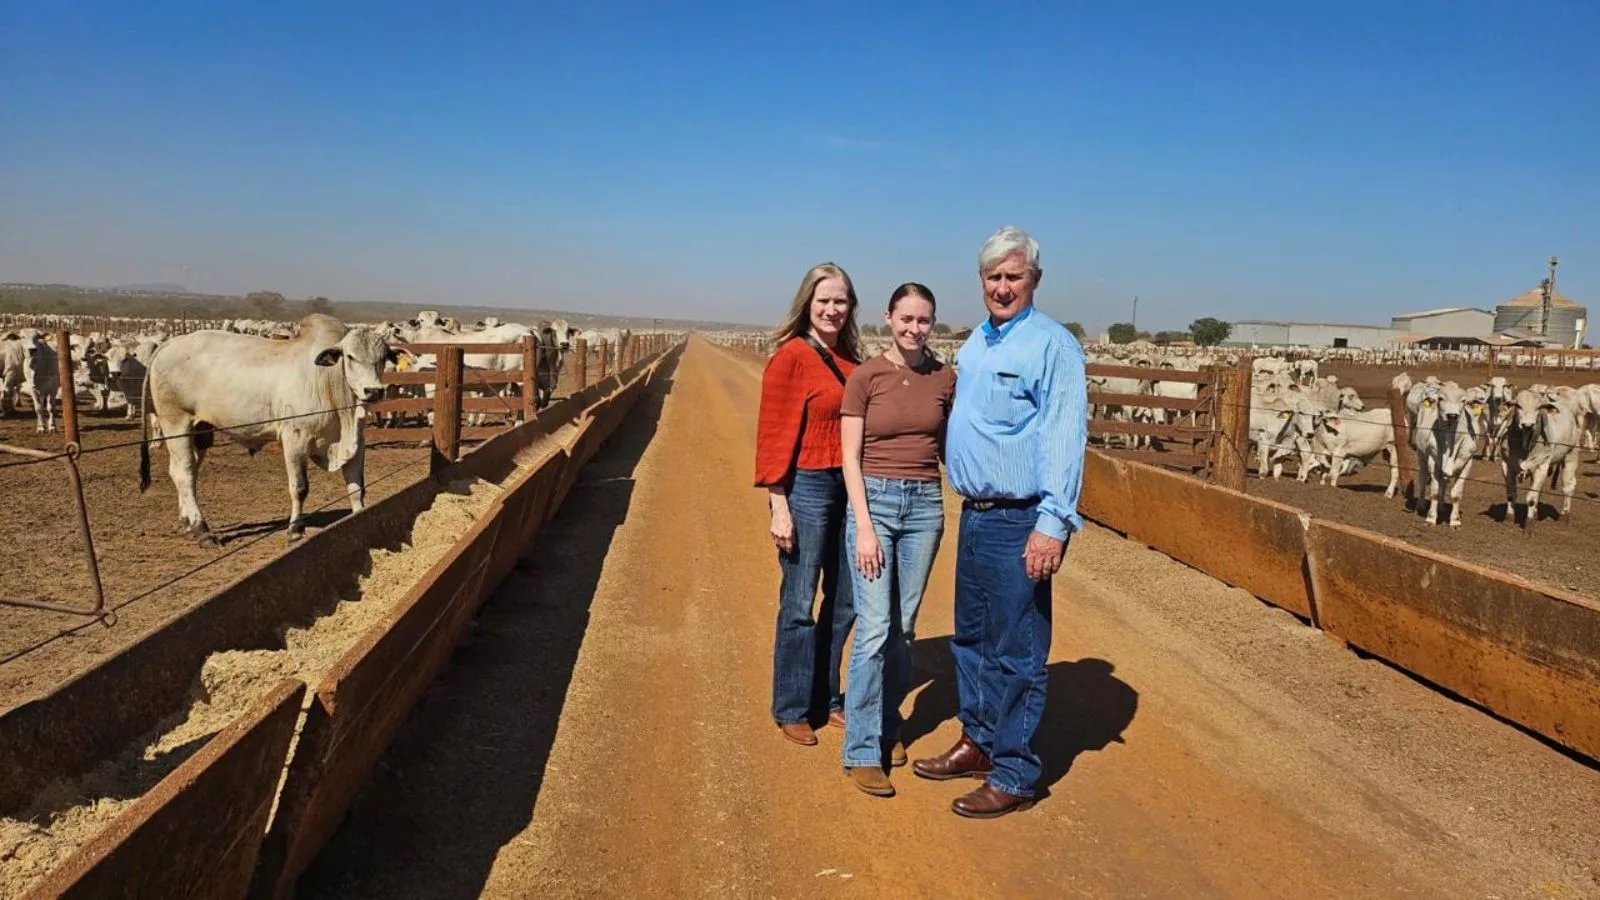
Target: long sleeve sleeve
(781,418)
(1063,435)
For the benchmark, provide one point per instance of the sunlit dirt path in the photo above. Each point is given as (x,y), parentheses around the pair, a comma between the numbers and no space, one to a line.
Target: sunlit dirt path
(604,731)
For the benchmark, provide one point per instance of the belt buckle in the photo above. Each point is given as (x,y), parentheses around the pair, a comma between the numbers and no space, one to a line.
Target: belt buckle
(981,505)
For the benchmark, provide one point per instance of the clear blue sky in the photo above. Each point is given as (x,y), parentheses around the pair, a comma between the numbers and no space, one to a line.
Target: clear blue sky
(1250,160)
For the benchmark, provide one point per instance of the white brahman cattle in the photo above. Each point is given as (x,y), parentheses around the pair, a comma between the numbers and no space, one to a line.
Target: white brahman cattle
(304,393)
(1444,433)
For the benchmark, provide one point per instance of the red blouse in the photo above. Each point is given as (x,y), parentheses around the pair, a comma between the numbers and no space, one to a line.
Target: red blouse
(798,427)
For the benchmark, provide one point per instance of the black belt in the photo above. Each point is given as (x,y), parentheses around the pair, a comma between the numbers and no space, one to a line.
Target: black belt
(985,503)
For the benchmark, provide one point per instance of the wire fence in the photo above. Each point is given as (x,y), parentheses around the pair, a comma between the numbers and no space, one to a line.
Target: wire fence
(196,570)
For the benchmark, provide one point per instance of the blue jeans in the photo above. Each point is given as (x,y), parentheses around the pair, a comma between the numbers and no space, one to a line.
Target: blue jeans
(908,517)
(807,651)
(1001,643)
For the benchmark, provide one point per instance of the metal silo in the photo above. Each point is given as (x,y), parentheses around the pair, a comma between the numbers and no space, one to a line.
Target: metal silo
(1524,312)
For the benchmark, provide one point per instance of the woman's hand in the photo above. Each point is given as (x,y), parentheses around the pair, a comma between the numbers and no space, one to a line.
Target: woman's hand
(782,528)
(869,553)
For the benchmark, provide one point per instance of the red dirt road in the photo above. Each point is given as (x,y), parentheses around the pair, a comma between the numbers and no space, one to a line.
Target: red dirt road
(604,732)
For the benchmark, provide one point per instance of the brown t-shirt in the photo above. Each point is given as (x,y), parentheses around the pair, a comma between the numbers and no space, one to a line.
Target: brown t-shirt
(904,411)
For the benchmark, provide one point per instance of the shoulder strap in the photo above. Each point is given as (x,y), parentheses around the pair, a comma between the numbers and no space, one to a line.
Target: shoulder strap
(827,358)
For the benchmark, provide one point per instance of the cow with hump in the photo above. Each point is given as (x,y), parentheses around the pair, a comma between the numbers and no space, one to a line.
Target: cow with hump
(306,393)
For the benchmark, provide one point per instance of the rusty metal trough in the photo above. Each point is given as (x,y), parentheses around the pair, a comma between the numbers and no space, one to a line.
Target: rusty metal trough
(1525,651)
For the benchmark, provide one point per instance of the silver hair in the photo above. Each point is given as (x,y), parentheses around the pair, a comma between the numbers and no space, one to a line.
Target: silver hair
(1008,240)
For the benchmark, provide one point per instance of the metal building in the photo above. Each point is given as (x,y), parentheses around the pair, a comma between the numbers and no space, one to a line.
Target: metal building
(1266,333)
(1447,321)
(1567,318)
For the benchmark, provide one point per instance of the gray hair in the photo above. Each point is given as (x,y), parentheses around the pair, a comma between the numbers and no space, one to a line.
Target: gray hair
(1008,240)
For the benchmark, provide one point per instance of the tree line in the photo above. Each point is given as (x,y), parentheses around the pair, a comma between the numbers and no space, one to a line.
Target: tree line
(71,301)
(1206,332)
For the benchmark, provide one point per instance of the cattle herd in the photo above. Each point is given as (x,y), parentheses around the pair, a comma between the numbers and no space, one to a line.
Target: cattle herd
(302,384)
(1533,435)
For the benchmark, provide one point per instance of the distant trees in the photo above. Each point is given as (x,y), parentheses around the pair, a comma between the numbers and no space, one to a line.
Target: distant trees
(1209,332)
(941,328)
(265,304)
(319,305)
(1123,333)
(1077,330)
(1171,337)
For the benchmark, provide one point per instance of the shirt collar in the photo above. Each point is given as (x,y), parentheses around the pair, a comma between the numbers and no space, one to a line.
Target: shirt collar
(996,335)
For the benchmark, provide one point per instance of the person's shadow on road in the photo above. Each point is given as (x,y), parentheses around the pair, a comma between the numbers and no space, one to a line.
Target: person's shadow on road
(1086,707)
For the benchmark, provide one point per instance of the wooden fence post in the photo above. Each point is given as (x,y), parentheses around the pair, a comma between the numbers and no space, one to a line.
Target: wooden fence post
(1405,456)
(604,353)
(69,389)
(446,409)
(581,371)
(530,377)
(1230,444)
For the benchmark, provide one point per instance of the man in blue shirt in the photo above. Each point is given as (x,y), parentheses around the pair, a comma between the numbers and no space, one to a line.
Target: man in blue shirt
(1014,452)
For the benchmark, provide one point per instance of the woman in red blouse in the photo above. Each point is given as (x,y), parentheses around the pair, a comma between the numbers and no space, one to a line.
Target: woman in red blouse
(798,460)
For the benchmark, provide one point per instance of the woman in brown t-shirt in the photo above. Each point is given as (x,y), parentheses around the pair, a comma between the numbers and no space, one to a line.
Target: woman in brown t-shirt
(892,430)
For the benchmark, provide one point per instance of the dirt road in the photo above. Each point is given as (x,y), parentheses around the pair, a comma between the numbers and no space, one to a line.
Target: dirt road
(605,732)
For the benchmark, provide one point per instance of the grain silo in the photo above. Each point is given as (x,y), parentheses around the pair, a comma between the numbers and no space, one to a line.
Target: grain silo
(1523,314)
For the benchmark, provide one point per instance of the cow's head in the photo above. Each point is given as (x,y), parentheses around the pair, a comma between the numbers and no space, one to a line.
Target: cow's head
(361,354)
(1525,409)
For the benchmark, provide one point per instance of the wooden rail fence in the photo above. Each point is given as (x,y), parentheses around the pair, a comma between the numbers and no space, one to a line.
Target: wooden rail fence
(451,380)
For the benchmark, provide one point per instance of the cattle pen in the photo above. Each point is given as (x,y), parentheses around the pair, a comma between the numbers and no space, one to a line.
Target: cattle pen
(416,553)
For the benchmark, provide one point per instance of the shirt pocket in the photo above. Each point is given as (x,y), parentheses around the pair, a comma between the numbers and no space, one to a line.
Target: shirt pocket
(1006,401)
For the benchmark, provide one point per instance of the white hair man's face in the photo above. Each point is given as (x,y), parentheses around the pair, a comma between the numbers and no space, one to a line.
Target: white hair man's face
(1008,287)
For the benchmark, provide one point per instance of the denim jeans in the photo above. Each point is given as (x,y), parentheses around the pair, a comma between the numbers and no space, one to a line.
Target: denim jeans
(808,650)
(1001,643)
(908,517)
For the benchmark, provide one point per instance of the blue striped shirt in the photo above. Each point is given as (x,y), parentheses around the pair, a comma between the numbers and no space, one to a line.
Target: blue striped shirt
(1019,423)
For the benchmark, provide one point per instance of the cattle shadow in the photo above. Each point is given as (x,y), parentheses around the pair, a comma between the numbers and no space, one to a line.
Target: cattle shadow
(463,774)
(1086,707)
(243,530)
(1517,513)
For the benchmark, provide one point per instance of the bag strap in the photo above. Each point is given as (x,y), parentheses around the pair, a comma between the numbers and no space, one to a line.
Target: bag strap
(827,358)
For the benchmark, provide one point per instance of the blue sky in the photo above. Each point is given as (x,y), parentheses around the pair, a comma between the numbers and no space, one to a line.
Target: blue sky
(1245,160)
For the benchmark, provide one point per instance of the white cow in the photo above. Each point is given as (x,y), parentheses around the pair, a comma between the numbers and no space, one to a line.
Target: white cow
(13,359)
(126,363)
(41,380)
(1501,393)
(1279,426)
(1341,438)
(1444,435)
(304,393)
(1555,449)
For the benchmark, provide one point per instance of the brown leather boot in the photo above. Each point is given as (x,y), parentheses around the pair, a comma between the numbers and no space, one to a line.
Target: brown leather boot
(800,733)
(897,755)
(836,718)
(871,780)
(964,760)
(989,803)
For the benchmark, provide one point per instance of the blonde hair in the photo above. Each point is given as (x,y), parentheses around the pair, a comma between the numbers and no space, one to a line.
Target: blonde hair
(798,322)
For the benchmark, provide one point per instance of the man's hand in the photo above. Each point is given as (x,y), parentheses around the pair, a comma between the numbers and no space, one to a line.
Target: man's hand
(1042,556)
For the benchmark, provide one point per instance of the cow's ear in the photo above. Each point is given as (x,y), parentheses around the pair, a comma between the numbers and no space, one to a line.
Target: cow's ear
(12,336)
(329,357)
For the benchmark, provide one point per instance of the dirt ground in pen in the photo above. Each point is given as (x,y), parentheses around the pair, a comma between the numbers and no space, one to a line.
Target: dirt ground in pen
(142,558)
